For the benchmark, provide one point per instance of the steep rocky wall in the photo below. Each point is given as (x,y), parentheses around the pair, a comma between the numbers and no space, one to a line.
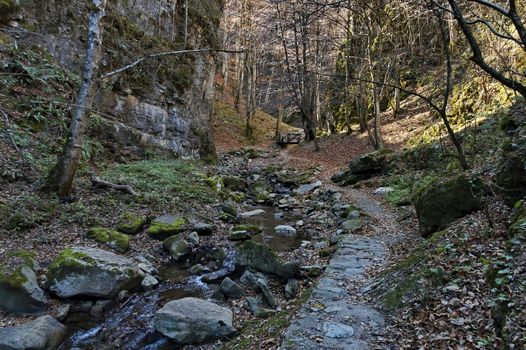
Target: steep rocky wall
(165,102)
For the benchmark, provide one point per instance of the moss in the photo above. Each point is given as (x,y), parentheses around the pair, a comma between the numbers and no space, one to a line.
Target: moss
(69,259)
(112,238)
(394,298)
(7,7)
(131,224)
(161,230)
(249,228)
(15,279)
(27,257)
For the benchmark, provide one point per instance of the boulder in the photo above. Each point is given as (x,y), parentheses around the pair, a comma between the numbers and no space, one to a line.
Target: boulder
(19,289)
(369,164)
(193,320)
(234,183)
(166,225)
(307,188)
(204,229)
(43,333)
(285,230)
(251,213)
(231,289)
(228,213)
(238,236)
(255,306)
(178,247)
(250,280)
(511,176)
(259,257)
(131,224)
(440,203)
(347,178)
(149,281)
(113,239)
(83,271)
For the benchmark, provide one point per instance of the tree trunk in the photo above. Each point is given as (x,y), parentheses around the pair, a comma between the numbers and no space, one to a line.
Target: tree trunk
(185,23)
(63,173)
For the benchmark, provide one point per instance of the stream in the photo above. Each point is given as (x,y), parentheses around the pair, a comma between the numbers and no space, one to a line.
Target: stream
(130,325)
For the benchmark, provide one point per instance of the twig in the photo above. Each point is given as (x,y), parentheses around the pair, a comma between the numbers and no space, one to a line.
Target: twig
(12,140)
(161,54)
(97,182)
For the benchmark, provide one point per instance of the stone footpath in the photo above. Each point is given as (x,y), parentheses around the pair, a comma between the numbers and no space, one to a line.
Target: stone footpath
(329,320)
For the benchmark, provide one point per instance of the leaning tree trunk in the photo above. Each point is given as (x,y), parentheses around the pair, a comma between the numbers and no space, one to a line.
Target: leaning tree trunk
(63,173)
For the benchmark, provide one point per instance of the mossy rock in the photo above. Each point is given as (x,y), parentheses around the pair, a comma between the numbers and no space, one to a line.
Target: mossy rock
(237,196)
(178,247)
(166,226)
(253,229)
(440,203)
(131,224)
(511,176)
(84,271)
(352,225)
(112,238)
(235,183)
(371,163)
(238,235)
(347,178)
(259,257)
(215,182)
(19,289)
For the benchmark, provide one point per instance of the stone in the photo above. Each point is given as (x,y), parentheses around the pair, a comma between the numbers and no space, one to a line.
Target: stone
(43,333)
(146,266)
(97,310)
(337,330)
(204,229)
(19,289)
(193,320)
(259,257)
(234,183)
(254,305)
(251,280)
(166,225)
(84,271)
(238,236)
(285,230)
(198,269)
(62,312)
(252,213)
(307,188)
(149,281)
(252,229)
(369,164)
(382,191)
(113,239)
(231,289)
(131,224)
(312,270)
(193,238)
(178,247)
(291,288)
(269,297)
(352,225)
(440,203)
(511,175)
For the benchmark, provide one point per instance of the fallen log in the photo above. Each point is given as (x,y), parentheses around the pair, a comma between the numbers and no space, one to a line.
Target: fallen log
(99,183)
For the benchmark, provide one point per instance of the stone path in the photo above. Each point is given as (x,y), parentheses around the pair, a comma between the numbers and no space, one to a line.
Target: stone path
(330,319)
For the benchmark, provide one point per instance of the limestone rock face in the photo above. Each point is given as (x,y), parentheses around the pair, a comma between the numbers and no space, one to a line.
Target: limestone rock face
(439,204)
(43,333)
(83,271)
(193,320)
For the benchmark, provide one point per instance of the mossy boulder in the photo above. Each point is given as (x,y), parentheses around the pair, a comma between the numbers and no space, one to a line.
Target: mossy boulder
(238,236)
(347,178)
(84,271)
(166,226)
(253,229)
(369,164)
(204,229)
(511,176)
(440,203)
(228,213)
(178,247)
(19,289)
(131,224)
(113,239)
(259,257)
(235,183)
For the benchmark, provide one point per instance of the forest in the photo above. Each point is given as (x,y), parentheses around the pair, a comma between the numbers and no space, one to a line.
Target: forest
(262,174)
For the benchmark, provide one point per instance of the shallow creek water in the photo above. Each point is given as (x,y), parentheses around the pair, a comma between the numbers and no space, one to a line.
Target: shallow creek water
(130,325)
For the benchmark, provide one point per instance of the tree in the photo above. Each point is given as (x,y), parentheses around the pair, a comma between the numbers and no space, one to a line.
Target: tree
(61,176)
(511,78)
